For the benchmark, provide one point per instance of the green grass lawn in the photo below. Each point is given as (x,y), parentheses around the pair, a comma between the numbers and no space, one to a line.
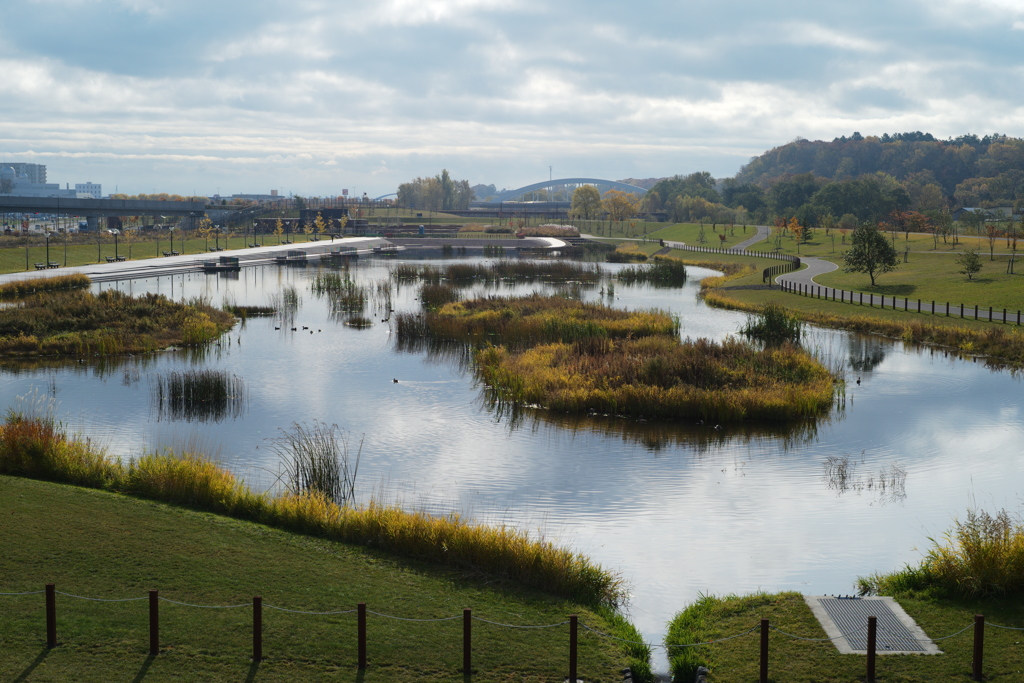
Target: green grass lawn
(796,661)
(934,276)
(690,234)
(81,252)
(103,545)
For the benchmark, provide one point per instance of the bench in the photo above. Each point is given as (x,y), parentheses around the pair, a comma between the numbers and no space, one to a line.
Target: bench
(120,258)
(40,266)
(110,259)
(175,253)
(53,264)
(254,245)
(167,253)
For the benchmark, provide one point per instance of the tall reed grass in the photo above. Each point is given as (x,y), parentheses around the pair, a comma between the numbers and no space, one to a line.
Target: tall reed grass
(662,272)
(60,283)
(38,447)
(199,395)
(773,325)
(981,556)
(506,270)
(78,322)
(317,459)
(660,377)
(525,321)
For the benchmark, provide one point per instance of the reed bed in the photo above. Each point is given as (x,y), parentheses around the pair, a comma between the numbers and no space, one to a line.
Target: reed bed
(38,447)
(341,291)
(1004,343)
(662,272)
(199,395)
(317,459)
(77,323)
(661,377)
(772,326)
(246,312)
(61,283)
(434,297)
(504,270)
(981,556)
(525,321)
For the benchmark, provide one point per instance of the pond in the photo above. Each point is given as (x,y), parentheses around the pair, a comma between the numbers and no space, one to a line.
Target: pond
(678,509)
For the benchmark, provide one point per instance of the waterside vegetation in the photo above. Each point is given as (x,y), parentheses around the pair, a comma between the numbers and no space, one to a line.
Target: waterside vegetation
(61,319)
(35,446)
(105,545)
(575,357)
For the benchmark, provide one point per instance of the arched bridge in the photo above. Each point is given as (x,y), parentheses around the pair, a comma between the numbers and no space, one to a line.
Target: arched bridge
(508,195)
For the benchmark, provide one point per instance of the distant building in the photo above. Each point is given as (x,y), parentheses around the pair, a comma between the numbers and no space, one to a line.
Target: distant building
(33,173)
(94,190)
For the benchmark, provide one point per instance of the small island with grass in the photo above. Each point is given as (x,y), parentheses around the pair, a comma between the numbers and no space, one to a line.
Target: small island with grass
(60,317)
(574,357)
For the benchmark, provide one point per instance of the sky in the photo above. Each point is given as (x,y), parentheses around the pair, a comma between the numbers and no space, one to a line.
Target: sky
(314,96)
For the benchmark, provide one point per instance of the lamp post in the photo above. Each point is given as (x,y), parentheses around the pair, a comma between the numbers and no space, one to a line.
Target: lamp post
(47,234)
(171,231)
(115,232)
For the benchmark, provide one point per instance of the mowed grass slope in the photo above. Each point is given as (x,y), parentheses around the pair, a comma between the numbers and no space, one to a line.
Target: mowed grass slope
(801,661)
(104,545)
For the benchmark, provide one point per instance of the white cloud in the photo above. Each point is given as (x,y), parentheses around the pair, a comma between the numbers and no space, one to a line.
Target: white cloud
(505,88)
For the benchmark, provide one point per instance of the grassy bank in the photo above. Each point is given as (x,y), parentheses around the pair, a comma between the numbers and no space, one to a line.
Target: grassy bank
(38,448)
(976,568)
(59,320)
(102,545)
(1002,343)
(798,661)
(465,274)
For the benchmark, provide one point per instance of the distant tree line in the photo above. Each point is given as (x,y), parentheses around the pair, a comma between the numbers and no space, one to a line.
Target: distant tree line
(439,193)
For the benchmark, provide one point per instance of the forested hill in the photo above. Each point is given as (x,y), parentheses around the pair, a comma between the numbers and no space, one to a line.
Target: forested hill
(971,171)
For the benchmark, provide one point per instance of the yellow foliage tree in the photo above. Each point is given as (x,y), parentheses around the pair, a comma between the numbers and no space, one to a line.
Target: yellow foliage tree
(279,229)
(619,205)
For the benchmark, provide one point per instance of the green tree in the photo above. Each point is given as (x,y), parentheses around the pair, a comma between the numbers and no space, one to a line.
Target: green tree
(870,252)
(969,263)
(586,202)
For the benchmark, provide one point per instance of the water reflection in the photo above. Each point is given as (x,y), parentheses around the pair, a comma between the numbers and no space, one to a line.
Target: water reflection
(867,353)
(844,474)
(653,435)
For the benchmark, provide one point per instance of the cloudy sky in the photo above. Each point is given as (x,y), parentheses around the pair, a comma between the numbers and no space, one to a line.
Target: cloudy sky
(312,96)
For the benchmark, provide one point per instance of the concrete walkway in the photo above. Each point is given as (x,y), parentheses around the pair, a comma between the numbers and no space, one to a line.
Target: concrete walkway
(167,265)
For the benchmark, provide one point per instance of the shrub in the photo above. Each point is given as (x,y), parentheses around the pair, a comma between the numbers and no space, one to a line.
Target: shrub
(774,325)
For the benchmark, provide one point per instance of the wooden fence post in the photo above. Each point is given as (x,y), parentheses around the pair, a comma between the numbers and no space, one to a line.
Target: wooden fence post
(764,651)
(573,624)
(154,622)
(979,646)
(467,641)
(51,615)
(257,629)
(872,636)
(361,628)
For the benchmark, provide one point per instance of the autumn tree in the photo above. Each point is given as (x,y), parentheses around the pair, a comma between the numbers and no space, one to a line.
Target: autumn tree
(319,225)
(870,252)
(586,202)
(279,229)
(205,230)
(619,205)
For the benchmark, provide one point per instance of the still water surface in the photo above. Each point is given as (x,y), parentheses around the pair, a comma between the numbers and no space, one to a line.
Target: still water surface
(678,509)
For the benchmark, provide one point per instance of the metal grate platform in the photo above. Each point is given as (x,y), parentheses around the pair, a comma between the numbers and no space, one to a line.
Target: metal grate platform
(845,620)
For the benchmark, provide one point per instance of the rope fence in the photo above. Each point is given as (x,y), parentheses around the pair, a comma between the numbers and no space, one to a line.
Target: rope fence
(976,312)
(467,618)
